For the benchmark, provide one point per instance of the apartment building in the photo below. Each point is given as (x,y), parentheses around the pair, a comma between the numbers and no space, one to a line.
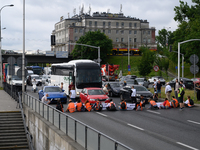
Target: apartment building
(123,30)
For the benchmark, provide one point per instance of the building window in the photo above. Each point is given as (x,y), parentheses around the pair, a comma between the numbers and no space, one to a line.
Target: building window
(95,23)
(109,31)
(135,25)
(90,29)
(144,40)
(135,31)
(117,39)
(122,24)
(143,31)
(122,31)
(76,30)
(104,31)
(122,39)
(81,31)
(117,31)
(90,23)
(76,38)
(129,39)
(130,32)
(149,32)
(135,39)
(149,40)
(130,24)
(104,24)
(109,24)
(117,24)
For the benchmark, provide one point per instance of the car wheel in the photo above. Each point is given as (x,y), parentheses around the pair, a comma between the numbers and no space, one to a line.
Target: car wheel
(121,96)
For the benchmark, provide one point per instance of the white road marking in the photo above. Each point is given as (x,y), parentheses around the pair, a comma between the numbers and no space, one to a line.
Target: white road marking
(101,114)
(187,146)
(193,122)
(153,112)
(135,126)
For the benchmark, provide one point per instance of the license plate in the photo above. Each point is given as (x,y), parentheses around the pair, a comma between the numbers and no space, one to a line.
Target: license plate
(56,99)
(189,83)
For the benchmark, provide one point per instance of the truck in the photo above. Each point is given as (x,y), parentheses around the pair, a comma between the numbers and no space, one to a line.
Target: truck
(108,71)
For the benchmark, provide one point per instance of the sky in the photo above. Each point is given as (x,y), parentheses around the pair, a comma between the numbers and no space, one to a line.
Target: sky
(41,16)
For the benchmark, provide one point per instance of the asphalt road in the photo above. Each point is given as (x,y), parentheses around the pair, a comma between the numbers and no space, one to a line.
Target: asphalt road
(148,129)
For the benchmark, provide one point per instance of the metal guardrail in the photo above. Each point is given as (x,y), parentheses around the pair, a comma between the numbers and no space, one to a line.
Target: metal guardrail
(83,134)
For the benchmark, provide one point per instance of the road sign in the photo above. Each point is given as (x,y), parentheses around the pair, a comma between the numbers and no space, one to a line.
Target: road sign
(62,54)
(194,59)
(19,73)
(176,67)
(11,60)
(49,53)
(129,69)
(129,72)
(129,66)
(155,68)
(194,69)
(19,61)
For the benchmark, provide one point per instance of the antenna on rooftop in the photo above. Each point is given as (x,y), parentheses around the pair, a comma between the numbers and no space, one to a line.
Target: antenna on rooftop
(120,8)
(68,15)
(89,10)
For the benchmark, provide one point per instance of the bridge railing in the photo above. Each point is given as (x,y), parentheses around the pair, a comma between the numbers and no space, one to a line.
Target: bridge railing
(83,134)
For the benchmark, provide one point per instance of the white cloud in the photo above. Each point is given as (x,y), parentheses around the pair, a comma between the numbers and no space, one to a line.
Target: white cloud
(42,15)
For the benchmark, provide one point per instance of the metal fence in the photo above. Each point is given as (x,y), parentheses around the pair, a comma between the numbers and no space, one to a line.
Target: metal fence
(83,134)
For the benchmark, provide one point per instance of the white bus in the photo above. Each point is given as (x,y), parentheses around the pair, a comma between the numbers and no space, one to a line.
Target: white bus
(83,73)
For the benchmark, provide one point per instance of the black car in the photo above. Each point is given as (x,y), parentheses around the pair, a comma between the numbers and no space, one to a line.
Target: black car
(114,88)
(128,82)
(187,82)
(125,93)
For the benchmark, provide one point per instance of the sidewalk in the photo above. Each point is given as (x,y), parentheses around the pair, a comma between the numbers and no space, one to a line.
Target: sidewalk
(7,103)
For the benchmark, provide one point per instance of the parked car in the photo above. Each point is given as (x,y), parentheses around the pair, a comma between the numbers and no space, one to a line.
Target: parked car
(128,82)
(142,81)
(37,78)
(196,80)
(114,88)
(187,82)
(125,93)
(162,80)
(11,52)
(45,78)
(91,94)
(55,93)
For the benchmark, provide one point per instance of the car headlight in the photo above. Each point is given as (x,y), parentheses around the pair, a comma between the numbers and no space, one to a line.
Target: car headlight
(77,93)
(107,99)
(137,94)
(92,99)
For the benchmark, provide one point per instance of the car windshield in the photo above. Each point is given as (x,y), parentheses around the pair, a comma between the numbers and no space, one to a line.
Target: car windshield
(140,88)
(52,89)
(96,92)
(36,77)
(132,82)
(115,84)
(16,78)
(140,80)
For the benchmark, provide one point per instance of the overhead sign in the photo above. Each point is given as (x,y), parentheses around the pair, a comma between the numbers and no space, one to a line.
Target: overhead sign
(49,53)
(194,69)
(194,59)
(19,61)
(62,54)
(155,68)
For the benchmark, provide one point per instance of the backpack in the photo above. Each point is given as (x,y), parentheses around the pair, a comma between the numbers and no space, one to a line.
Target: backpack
(112,107)
(191,102)
(99,107)
(182,93)
(59,107)
(123,106)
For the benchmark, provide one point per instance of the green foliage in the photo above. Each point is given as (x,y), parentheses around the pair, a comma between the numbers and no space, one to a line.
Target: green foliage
(146,63)
(97,39)
(165,63)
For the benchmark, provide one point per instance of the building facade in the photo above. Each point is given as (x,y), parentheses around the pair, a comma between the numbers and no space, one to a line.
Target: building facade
(124,31)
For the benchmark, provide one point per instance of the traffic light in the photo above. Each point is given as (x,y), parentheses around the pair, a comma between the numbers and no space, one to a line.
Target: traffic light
(170,48)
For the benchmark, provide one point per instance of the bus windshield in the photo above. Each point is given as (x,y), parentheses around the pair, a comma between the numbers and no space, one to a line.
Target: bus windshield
(88,77)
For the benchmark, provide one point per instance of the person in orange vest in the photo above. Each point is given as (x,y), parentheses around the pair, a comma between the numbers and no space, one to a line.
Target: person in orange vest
(153,104)
(189,102)
(123,105)
(70,107)
(79,105)
(174,102)
(111,106)
(88,106)
(166,104)
(141,103)
(59,106)
(97,106)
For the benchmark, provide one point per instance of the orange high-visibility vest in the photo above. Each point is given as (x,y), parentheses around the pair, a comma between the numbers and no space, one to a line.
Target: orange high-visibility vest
(71,107)
(167,103)
(88,106)
(153,103)
(78,106)
(176,103)
(125,105)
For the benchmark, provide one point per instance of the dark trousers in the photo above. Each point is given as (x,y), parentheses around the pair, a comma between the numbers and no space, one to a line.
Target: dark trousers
(138,103)
(133,99)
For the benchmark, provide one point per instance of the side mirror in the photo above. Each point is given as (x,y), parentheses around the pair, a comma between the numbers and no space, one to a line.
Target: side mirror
(40,91)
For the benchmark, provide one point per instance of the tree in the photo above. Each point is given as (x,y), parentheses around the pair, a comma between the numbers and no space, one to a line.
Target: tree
(146,62)
(97,39)
(165,64)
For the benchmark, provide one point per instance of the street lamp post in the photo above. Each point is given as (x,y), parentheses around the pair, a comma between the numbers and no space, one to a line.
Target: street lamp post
(1,62)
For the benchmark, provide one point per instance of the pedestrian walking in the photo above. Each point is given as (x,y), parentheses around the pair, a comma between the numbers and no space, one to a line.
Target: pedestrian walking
(168,90)
(133,94)
(158,88)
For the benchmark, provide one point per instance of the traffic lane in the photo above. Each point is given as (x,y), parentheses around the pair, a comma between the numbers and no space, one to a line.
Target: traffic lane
(129,135)
(178,130)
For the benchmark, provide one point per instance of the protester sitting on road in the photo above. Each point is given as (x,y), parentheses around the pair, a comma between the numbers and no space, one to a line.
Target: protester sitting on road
(88,106)
(97,106)
(70,107)
(174,102)
(141,103)
(111,106)
(123,105)
(79,105)
(45,100)
(189,102)
(165,104)
(153,104)
(59,106)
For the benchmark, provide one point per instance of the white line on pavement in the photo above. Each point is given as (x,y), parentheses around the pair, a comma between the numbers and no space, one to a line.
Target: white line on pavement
(187,146)
(135,127)
(193,122)
(101,114)
(153,112)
